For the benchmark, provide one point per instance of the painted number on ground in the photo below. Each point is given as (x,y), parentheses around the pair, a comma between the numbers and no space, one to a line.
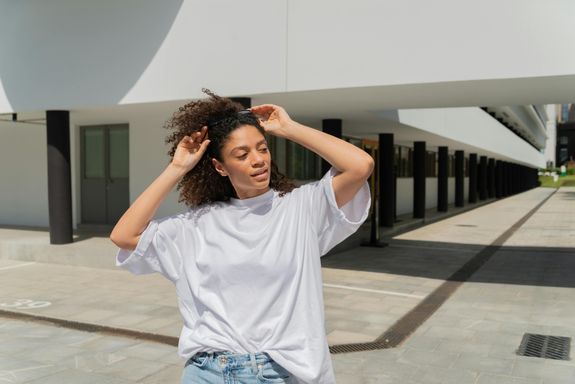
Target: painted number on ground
(24,304)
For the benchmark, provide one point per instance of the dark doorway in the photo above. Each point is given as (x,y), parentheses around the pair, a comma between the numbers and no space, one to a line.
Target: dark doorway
(104,173)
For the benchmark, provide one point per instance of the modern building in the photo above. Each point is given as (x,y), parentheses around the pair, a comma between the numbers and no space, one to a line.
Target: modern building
(565,146)
(453,98)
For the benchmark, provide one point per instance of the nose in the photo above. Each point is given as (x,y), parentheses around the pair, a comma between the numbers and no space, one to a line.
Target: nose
(257,160)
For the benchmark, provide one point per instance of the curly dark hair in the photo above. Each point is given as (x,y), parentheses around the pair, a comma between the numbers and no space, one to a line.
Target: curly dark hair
(203,185)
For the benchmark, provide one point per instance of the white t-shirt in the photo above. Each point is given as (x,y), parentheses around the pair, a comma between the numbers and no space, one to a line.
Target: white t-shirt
(248,272)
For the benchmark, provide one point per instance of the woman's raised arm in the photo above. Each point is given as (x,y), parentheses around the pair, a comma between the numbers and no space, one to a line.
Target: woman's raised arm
(134,221)
(355,165)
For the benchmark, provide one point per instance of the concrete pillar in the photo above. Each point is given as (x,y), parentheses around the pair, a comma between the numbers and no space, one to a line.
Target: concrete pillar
(482,180)
(386,180)
(472,177)
(419,155)
(442,174)
(459,178)
(491,178)
(334,128)
(498,179)
(514,178)
(59,177)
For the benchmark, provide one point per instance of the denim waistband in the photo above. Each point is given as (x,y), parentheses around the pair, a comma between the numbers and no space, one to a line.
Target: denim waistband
(237,359)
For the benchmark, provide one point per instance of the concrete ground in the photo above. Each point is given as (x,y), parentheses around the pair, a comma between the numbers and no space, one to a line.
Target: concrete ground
(526,286)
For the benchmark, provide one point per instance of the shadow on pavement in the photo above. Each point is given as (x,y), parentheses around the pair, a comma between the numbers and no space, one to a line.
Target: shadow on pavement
(535,266)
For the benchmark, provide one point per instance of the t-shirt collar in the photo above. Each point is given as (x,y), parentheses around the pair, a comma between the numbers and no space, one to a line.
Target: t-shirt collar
(253,201)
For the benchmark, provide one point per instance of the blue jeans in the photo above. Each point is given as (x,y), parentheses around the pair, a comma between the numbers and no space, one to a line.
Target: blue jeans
(230,368)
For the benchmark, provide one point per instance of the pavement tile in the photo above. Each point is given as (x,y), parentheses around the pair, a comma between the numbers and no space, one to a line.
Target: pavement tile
(169,374)
(484,364)
(132,369)
(427,358)
(74,376)
(438,375)
(472,338)
(26,371)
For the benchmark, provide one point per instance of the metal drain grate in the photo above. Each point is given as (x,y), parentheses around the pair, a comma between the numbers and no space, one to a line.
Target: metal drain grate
(466,225)
(357,347)
(547,347)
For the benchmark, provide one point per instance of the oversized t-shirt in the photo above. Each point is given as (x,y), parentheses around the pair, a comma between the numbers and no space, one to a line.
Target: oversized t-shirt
(248,273)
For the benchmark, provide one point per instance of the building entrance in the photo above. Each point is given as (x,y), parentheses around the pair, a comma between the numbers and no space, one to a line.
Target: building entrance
(104,176)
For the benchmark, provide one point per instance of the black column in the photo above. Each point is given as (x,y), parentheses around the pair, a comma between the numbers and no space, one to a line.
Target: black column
(482,181)
(386,180)
(472,177)
(505,181)
(459,178)
(442,173)
(514,188)
(515,179)
(419,153)
(59,178)
(334,128)
(491,178)
(498,179)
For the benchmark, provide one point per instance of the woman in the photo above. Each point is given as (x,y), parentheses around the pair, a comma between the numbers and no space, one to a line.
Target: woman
(245,258)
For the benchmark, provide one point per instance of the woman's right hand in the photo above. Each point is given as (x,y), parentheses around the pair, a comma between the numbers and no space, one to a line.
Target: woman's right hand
(190,150)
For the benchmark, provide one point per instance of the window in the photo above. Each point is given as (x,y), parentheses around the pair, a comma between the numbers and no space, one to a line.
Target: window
(403,161)
(563,155)
(301,163)
(563,140)
(451,166)
(431,164)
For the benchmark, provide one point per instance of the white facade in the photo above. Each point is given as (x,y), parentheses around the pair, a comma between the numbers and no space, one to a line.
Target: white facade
(417,69)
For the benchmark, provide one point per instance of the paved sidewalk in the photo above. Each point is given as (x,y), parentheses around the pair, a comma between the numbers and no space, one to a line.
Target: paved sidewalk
(526,286)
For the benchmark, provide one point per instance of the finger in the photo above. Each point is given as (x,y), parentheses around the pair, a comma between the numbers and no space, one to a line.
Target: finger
(263,107)
(185,141)
(203,147)
(204,133)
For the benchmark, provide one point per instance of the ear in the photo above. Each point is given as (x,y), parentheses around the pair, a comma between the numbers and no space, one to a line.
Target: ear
(219,167)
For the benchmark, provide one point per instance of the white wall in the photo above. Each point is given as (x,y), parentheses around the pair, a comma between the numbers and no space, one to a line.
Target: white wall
(404,195)
(474,127)
(23,167)
(371,42)
(430,192)
(78,53)
(451,190)
(109,52)
(23,171)
(147,158)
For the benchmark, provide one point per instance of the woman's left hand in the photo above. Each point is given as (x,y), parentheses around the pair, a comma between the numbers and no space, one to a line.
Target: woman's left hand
(273,118)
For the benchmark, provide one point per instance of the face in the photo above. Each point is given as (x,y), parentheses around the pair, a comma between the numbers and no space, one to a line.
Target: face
(246,160)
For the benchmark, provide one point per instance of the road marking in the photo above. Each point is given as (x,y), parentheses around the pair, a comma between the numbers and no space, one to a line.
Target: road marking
(25,304)
(374,291)
(16,266)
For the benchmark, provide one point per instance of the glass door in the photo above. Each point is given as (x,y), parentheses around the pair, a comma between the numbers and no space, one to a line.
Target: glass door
(105,178)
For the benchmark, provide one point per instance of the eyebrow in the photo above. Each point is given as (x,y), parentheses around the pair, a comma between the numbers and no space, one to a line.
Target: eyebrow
(246,148)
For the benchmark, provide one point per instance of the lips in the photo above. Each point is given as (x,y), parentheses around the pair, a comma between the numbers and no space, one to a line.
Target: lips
(260,172)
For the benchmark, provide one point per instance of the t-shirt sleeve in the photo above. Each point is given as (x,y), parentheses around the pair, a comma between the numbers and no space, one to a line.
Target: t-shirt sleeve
(333,224)
(158,250)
